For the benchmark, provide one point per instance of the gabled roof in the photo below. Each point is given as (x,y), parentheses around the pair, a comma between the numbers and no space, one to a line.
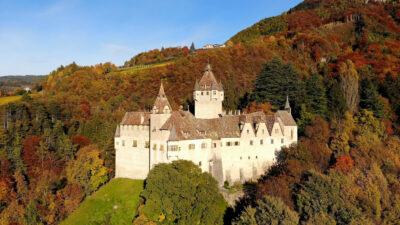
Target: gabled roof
(208,81)
(136,118)
(286,118)
(161,102)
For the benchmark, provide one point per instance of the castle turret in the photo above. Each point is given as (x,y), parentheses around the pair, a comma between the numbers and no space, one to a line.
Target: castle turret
(287,105)
(161,105)
(208,96)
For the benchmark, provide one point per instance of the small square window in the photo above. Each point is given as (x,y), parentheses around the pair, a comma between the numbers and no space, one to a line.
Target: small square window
(214,145)
(154,146)
(146,144)
(208,93)
(272,141)
(192,146)
(123,143)
(282,141)
(251,142)
(203,145)
(161,147)
(261,142)
(134,144)
(237,143)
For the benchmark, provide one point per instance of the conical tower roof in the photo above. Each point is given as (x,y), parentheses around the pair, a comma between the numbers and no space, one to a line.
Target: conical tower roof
(287,104)
(161,105)
(208,81)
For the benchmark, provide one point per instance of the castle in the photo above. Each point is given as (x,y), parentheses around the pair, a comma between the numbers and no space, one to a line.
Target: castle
(232,148)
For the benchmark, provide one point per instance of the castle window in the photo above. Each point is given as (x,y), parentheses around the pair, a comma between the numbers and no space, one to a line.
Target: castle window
(117,143)
(202,93)
(291,134)
(154,146)
(214,92)
(147,144)
(192,146)
(261,142)
(200,163)
(276,131)
(251,142)
(249,157)
(134,144)
(123,143)
(256,157)
(214,145)
(161,147)
(173,148)
(237,143)
(228,143)
(240,158)
(203,145)
(263,131)
(248,131)
(208,93)
(282,140)
(272,141)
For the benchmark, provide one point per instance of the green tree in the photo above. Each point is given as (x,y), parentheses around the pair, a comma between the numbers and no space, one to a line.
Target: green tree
(316,95)
(336,103)
(192,48)
(269,210)
(179,193)
(275,82)
(369,99)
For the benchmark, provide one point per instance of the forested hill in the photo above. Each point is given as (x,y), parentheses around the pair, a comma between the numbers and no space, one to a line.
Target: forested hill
(339,62)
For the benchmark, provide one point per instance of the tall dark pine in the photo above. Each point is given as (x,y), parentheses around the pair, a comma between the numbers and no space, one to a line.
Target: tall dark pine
(275,82)
(369,99)
(192,48)
(316,95)
(336,103)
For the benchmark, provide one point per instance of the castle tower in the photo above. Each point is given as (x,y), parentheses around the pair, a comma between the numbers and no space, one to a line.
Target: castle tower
(208,96)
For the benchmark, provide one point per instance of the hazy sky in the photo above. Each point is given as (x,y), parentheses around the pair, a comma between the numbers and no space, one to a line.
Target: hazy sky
(37,36)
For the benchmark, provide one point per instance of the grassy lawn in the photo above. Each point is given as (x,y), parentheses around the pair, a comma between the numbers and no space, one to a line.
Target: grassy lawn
(99,208)
(5,100)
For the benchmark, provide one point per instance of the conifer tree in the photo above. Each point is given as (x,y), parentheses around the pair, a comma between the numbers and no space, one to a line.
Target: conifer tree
(192,48)
(336,103)
(275,82)
(369,99)
(316,95)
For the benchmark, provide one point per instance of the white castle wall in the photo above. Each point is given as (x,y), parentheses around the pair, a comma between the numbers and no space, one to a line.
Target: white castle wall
(132,162)
(208,104)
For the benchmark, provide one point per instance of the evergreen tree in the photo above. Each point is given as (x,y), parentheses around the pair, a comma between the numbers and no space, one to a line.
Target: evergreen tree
(275,82)
(192,48)
(316,95)
(369,99)
(336,103)
(390,89)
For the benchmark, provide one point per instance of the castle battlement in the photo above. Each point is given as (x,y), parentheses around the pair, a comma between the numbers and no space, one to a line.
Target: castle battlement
(232,148)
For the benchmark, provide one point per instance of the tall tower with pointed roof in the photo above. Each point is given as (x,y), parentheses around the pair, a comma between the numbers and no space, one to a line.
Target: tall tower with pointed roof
(208,96)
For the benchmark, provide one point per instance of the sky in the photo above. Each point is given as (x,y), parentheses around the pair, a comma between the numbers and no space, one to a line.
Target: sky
(38,36)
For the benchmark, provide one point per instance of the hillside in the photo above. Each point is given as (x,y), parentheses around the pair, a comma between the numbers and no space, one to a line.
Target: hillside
(11,83)
(343,57)
(114,203)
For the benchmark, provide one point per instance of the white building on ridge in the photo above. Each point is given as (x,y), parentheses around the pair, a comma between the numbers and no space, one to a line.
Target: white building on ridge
(232,148)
